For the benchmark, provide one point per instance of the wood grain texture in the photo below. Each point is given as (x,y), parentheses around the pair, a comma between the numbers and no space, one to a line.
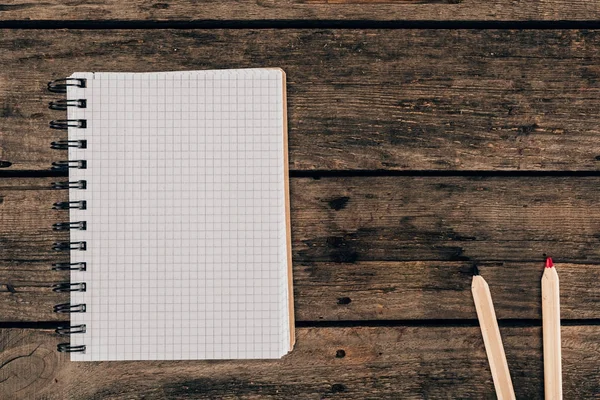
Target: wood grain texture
(448,218)
(329,363)
(358,99)
(310,10)
(365,251)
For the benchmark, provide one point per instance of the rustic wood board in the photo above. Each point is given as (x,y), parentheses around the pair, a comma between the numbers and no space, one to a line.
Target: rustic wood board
(303,10)
(466,211)
(377,362)
(358,99)
(446,218)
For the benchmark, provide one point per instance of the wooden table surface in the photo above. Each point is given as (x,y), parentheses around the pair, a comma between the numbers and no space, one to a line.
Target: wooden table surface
(419,146)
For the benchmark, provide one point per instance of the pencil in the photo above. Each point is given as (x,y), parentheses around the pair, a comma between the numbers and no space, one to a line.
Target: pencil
(551,328)
(491,337)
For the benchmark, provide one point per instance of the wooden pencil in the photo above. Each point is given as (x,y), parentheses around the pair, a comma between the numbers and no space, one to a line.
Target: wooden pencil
(491,337)
(551,328)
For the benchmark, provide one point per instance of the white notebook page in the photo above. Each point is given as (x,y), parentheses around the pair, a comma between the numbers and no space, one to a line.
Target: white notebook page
(187,245)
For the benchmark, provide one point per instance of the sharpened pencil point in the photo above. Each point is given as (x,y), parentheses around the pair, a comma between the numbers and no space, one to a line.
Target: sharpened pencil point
(475,270)
(549,263)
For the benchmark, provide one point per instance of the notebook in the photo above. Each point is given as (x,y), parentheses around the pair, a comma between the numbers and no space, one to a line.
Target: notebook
(178,215)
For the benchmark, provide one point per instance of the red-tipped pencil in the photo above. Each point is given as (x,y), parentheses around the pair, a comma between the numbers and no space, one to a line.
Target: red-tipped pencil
(551,328)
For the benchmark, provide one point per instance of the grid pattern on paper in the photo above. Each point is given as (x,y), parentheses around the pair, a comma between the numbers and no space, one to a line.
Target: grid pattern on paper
(185,215)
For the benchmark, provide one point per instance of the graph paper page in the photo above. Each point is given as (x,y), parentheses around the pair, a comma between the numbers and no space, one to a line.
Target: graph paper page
(186,210)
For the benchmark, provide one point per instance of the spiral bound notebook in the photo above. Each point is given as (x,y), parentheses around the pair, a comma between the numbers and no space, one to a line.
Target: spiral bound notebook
(179,215)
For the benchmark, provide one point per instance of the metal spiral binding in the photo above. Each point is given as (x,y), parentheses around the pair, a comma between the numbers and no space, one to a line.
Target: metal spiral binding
(65,144)
(61,86)
(69,308)
(68,123)
(65,205)
(64,246)
(63,104)
(65,165)
(67,348)
(65,226)
(69,185)
(69,330)
(77,266)
(69,287)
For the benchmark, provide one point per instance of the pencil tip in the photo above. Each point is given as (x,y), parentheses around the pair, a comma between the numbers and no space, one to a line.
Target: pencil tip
(475,270)
(549,263)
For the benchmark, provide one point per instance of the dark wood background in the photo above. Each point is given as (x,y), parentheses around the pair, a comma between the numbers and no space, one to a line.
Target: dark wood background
(425,136)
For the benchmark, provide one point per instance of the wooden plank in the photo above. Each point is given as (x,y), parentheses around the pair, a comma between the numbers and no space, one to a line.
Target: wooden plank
(446,218)
(358,99)
(425,290)
(308,10)
(355,243)
(349,363)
